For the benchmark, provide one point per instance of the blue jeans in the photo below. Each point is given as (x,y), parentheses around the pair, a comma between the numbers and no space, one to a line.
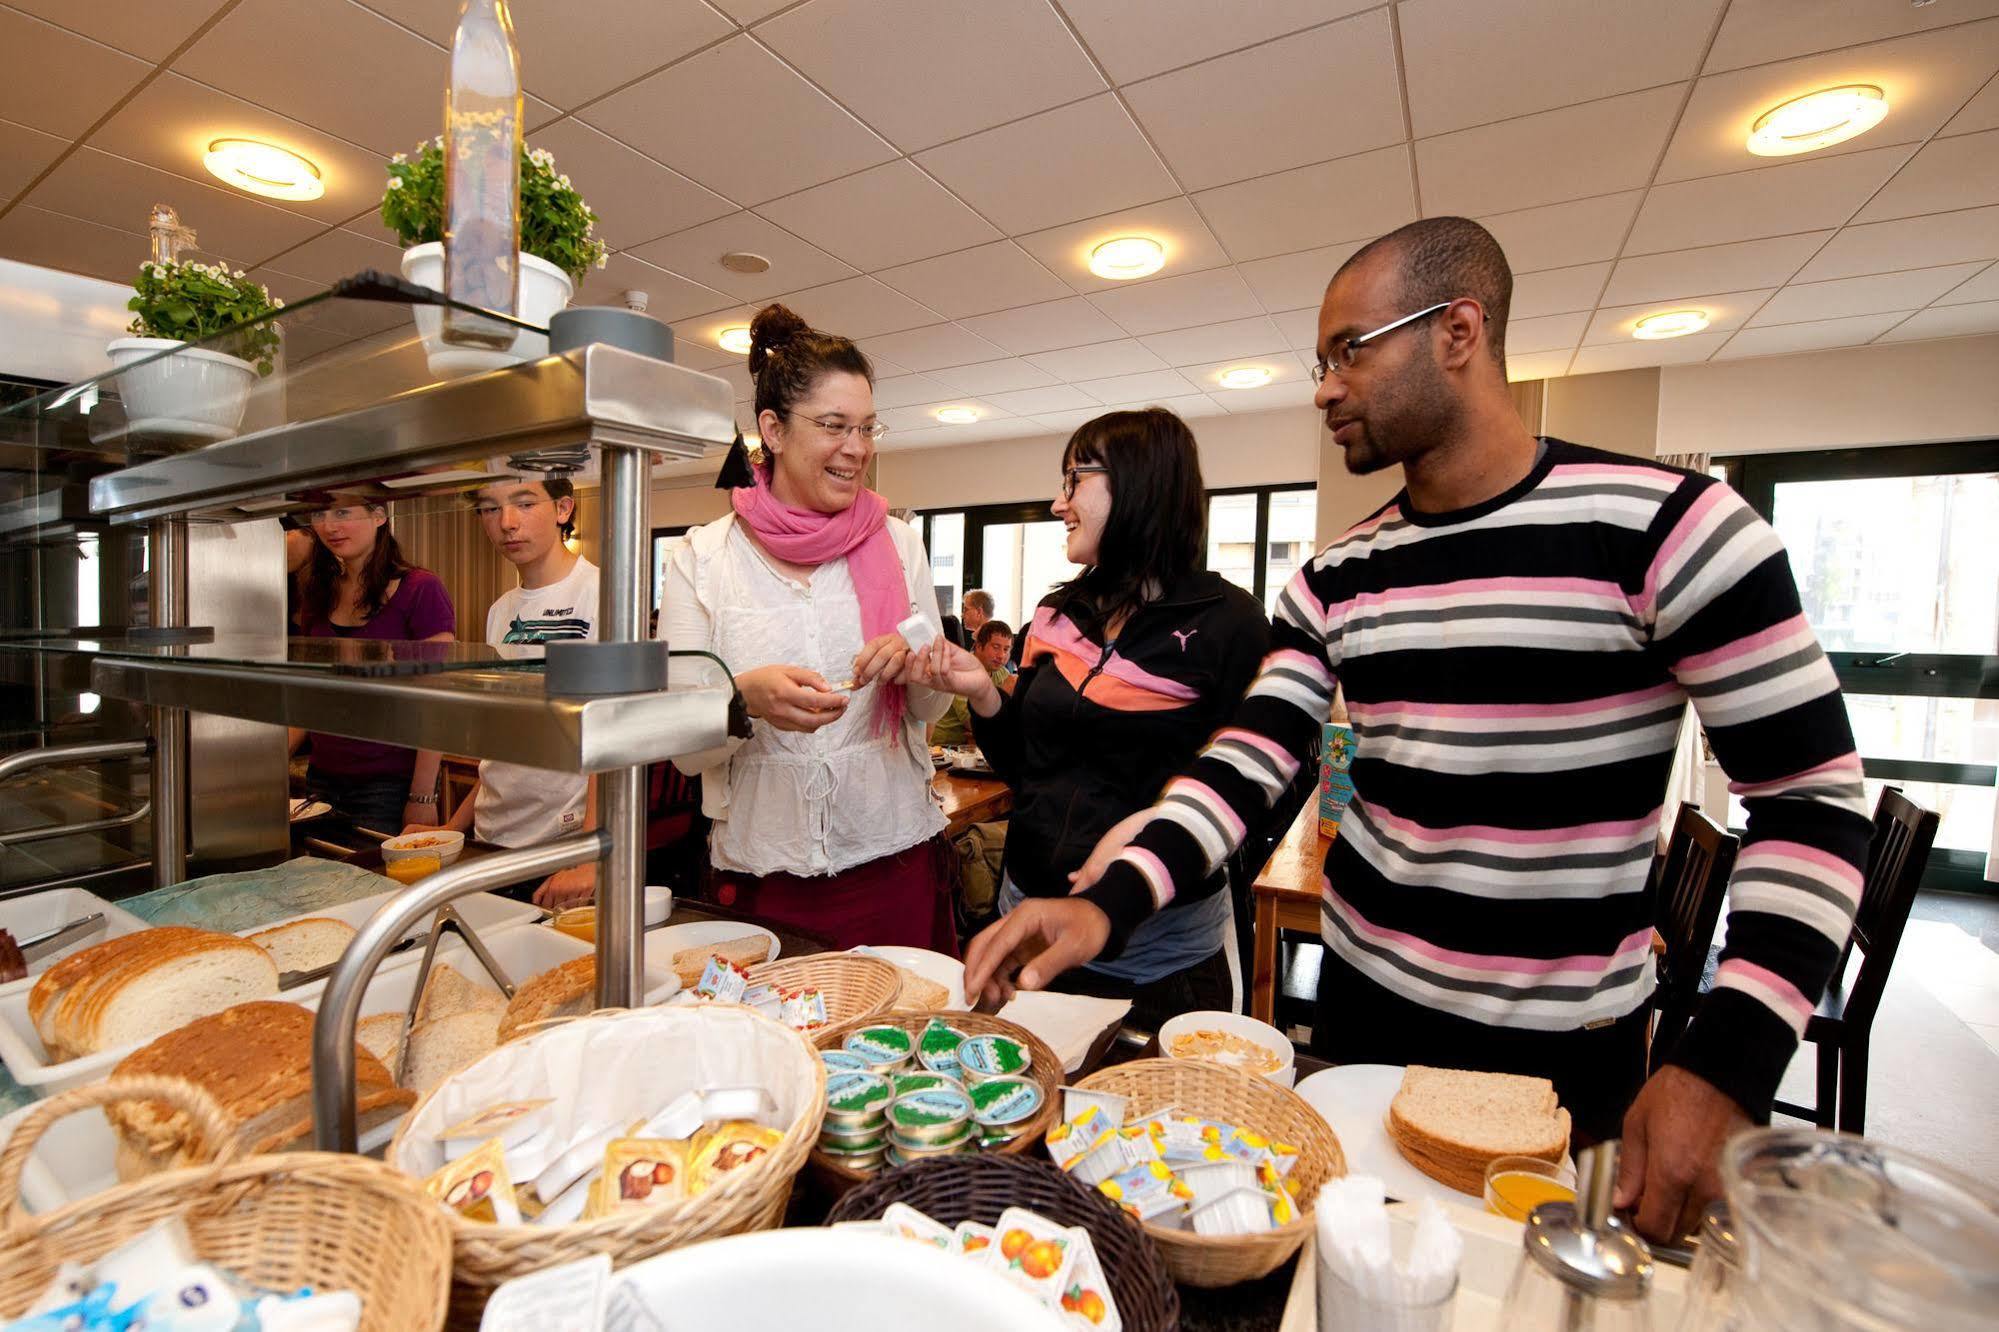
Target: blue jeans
(367,802)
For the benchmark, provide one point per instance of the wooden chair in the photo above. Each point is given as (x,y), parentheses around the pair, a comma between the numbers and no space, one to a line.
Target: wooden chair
(1692,880)
(1844,1019)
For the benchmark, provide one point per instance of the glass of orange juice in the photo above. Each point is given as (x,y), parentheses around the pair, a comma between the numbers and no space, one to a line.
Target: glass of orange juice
(577,923)
(1516,1185)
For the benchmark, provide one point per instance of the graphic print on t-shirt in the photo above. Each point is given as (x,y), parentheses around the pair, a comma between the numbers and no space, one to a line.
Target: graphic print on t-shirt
(551,624)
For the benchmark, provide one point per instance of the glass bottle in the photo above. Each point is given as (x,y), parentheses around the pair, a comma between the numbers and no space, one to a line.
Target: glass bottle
(1714,1283)
(482,175)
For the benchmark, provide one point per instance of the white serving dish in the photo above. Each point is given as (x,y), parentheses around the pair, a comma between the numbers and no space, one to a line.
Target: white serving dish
(663,943)
(933,966)
(38,913)
(484,912)
(444,843)
(1248,1028)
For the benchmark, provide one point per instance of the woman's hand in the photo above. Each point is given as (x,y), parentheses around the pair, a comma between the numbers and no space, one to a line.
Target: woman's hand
(882,659)
(415,812)
(946,666)
(790,698)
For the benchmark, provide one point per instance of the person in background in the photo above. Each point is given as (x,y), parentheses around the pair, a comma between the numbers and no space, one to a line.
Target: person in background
(974,610)
(529,520)
(1128,669)
(299,546)
(823,818)
(994,643)
(1518,633)
(360,586)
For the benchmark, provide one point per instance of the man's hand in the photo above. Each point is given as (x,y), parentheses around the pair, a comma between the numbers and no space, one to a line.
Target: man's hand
(1108,848)
(567,888)
(1032,945)
(1673,1135)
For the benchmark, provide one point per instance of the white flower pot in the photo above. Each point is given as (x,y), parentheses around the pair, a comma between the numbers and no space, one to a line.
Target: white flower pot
(195,394)
(544,289)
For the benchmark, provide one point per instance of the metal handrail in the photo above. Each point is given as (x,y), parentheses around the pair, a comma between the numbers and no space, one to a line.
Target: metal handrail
(48,830)
(60,756)
(333,1061)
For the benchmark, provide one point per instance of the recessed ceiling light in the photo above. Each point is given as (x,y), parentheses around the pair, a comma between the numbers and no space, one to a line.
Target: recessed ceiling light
(1817,120)
(957,415)
(1672,324)
(742,261)
(1245,376)
(263,168)
(735,340)
(1127,257)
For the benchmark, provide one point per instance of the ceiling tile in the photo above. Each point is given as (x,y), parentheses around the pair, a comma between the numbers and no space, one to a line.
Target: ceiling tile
(1573,153)
(1189,245)
(1774,201)
(924,416)
(58,82)
(1178,302)
(1213,342)
(908,390)
(1100,361)
(23,153)
(1548,333)
(1984,287)
(1565,233)
(1541,365)
(923,72)
(110,190)
(1635,355)
(1269,398)
(859,307)
(694,340)
(1742,266)
(1147,387)
(1011,175)
(1948,173)
(1065,423)
(1285,367)
(1045,327)
(1980,113)
(1947,321)
(697,254)
(1299,327)
(144,28)
(1354,198)
(1756,31)
(1926,78)
(1273,106)
(668,295)
(993,377)
(1188,407)
(740,383)
(335,254)
(747,12)
(935,348)
(1285,281)
(976,281)
(635,198)
(280,53)
(887,215)
(1882,247)
(1055,398)
(1557,290)
(1578,50)
(1614,324)
(1804,301)
(1822,333)
(795,137)
(50,240)
(1171,33)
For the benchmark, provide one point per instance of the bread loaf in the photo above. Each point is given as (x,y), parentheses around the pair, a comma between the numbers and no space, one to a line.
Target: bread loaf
(134,987)
(569,990)
(745,952)
(305,945)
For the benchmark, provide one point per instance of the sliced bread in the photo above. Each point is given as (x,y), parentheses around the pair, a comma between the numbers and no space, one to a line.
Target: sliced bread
(53,985)
(745,952)
(305,945)
(1464,1118)
(209,975)
(381,1035)
(449,991)
(442,1046)
(569,990)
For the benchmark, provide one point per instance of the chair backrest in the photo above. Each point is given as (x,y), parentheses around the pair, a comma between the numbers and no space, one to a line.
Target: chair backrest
(1700,856)
(1897,854)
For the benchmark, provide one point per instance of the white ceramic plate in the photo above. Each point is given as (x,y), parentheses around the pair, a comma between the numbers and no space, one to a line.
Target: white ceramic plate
(932,966)
(663,943)
(1354,1099)
(303,809)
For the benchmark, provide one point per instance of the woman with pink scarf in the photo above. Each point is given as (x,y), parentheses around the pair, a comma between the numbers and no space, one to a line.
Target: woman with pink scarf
(823,818)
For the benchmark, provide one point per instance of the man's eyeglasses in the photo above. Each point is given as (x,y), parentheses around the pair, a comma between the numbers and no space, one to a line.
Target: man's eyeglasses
(1070,475)
(835,428)
(350,513)
(1340,356)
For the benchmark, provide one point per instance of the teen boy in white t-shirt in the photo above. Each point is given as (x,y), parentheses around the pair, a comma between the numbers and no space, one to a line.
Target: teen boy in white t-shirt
(527,519)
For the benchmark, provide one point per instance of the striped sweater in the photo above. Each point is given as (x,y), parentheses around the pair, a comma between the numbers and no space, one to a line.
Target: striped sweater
(1516,674)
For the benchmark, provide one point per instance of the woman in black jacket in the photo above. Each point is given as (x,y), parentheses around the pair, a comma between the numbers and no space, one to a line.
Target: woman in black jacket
(1127,670)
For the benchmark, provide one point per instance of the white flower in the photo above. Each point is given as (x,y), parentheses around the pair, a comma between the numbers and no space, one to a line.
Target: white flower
(602,258)
(565,182)
(239,273)
(398,159)
(395,182)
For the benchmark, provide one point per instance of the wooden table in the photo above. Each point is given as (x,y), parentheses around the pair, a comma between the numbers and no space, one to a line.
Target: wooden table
(1287,898)
(970,800)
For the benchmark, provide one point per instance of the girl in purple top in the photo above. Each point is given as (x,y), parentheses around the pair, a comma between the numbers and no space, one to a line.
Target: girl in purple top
(362,587)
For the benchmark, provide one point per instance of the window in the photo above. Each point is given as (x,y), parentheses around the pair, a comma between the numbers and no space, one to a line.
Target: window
(1257,539)
(664,541)
(1023,563)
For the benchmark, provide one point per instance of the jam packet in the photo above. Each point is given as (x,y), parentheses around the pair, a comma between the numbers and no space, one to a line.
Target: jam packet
(973,1238)
(1086,1301)
(722,980)
(512,1122)
(1033,1252)
(729,1148)
(477,1186)
(1072,1140)
(640,1173)
(912,1224)
(802,1010)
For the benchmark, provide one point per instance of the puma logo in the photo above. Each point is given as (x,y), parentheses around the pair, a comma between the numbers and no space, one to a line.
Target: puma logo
(1183,635)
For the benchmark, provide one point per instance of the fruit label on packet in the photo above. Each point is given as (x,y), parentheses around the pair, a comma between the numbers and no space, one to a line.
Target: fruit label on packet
(477,1186)
(723,980)
(802,1010)
(1086,1300)
(1184,1139)
(1072,1140)
(1033,1252)
(1147,1190)
(730,1148)
(640,1173)
(914,1225)
(974,1238)
(1243,1145)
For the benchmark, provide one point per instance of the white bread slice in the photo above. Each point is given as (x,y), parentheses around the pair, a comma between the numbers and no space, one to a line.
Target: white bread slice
(305,945)
(381,1035)
(745,952)
(444,1045)
(1461,1118)
(449,991)
(53,985)
(221,972)
(569,990)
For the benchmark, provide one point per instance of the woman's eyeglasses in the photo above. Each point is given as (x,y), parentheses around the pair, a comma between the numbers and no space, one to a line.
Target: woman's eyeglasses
(835,428)
(1070,475)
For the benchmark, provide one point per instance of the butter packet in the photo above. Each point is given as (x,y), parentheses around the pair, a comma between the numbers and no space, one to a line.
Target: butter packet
(1033,1252)
(640,1173)
(912,1224)
(1086,1300)
(729,1148)
(722,980)
(512,1122)
(973,1238)
(477,1186)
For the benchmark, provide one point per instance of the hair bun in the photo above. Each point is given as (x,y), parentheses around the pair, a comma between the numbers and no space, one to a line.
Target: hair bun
(774,328)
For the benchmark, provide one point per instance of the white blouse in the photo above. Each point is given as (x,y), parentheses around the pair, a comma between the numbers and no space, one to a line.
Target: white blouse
(807,804)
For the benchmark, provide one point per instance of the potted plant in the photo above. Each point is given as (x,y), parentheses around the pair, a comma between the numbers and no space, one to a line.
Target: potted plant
(558,246)
(197,392)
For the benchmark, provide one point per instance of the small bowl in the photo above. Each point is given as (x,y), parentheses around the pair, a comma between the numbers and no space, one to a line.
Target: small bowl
(1235,1024)
(443,843)
(659,904)
(1516,1185)
(577,923)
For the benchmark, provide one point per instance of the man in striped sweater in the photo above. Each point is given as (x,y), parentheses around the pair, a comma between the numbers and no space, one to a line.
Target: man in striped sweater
(1517,634)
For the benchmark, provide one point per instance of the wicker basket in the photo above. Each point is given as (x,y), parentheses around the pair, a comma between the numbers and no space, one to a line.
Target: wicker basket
(752,1198)
(320,1219)
(978,1188)
(1229,1096)
(1046,1069)
(854,985)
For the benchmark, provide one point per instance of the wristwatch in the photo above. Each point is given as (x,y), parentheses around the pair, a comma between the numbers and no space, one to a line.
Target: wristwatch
(416,799)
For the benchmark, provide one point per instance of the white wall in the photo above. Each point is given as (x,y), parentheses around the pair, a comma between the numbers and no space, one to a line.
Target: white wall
(1617,410)
(55,325)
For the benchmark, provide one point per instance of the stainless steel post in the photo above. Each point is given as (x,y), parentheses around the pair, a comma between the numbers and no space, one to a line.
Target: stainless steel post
(166,603)
(333,1119)
(621,618)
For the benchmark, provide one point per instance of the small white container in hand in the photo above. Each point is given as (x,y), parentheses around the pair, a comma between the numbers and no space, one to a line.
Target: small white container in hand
(1234,1024)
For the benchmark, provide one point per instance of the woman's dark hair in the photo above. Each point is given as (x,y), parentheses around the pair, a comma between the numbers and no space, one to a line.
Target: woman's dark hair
(385,565)
(787,357)
(1157,530)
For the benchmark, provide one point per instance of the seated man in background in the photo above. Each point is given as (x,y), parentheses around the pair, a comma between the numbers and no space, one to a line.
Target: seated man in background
(992,645)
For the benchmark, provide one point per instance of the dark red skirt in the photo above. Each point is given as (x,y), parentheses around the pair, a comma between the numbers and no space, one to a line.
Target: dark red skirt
(903,898)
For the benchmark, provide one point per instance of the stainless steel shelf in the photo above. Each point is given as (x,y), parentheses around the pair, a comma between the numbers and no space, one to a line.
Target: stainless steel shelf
(504,715)
(596,394)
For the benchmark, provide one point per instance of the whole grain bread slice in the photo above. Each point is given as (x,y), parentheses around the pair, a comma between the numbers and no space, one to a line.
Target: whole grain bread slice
(569,990)
(1468,1117)
(442,1046)
(450,991)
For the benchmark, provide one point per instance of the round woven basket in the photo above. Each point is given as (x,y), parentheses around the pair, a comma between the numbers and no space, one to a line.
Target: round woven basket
(751,1198)
(852,984)
(951,1189)
(1230,1096)
(319,1219)
(1046,1068)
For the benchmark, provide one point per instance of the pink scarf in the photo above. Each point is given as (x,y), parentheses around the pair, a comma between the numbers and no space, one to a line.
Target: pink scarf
(860,533)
